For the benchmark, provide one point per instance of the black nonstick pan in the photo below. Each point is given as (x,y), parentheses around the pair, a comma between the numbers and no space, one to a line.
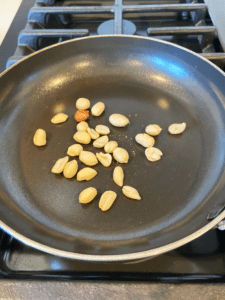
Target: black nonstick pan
(150,82)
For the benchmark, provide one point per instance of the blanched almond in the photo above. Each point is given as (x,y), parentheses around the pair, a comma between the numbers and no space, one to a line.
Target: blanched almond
(102,129)
(88,158)
(118,176)
(101,142)
(94,135)
(82,103)
(60,165)
(39,138)
(87,195)
(82,137)
(145,140)
(153,129)
(70,169)
(110,146)
(121,155)
(98,109)
(177,128)
(118,120)
(59,118)
(106,200)
(86,174)
(82,126)
(74,150)
(131,192)
(153,154)
(105,159)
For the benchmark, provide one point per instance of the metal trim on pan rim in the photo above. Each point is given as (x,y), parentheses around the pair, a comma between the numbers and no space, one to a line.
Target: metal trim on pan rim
(122,257)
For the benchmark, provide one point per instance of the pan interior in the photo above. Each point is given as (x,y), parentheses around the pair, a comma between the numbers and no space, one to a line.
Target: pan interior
(177,191)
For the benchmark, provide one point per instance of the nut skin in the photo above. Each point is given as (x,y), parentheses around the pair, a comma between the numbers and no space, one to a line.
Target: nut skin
(153,154)
(110,146)
(81,115)
(153,129)
(177,128)
(87,195)
(107,199)
(39,138)
(70,169)
(118,120)
(82,126)
(131,192)
(98,109)
(74,150)
(88,158)
(86,174)
(121,155)
(60,165)
(82,103)
(145,140)
(82,137)
(59,118)
(118,176)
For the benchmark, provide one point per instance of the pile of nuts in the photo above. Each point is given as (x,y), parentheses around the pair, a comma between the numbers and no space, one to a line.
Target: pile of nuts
(100,138)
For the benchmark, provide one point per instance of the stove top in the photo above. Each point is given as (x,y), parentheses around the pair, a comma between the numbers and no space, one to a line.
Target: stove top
(196,25)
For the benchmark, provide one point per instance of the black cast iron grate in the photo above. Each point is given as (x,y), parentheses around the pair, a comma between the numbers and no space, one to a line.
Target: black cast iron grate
(184,22)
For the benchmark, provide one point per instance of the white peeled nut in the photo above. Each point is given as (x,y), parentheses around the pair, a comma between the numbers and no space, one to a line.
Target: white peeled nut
(118,120)
(59,118)
(101,142)
(177,128)
(118,176)
(70,169)
(121,155)
(39,138)
(145,140)
(131,192)
(110,146)
(74,150)
(106,200)
(88,158)
(98,109)
(102,129)
(153,154)
(87,195)
(82,126)
(86,174)
(82,103)
(105,159)
(60,165)
(82,137)
(153,129)
(94,135)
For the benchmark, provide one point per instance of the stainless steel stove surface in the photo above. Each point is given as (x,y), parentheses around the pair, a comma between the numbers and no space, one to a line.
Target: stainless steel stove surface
(196,25)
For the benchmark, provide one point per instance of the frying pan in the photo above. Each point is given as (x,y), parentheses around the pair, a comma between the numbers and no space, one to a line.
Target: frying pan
(150,82)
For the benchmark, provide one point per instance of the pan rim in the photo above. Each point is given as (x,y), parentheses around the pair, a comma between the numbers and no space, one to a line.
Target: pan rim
(116,257)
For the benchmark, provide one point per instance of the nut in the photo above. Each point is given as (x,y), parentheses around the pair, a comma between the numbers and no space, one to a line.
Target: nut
(118,120)
(86,174)
(98,109)
(39,138)
(131,192)
(106,200)
(82,126)
(70,169)
(177,128)
(153,129)
(118,176)
(94,135)
(105,159)
(81,115)
(101,142)
(102,129)
(87,195)
(145,140)
(110,146)
(82,137)
(59,118)
(153,154)
(82,103)
(60,165)
(88,158)
(121,155)
(74,150)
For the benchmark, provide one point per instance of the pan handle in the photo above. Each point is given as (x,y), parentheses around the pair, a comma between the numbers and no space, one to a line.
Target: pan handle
(214,213)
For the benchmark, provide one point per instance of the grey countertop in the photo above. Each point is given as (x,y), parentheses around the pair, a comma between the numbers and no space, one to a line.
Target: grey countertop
(27,290)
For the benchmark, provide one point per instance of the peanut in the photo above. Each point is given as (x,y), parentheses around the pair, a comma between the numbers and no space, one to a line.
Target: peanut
(105,159)
(102,129)
(82,137)
(60,165)
(118,120)
(87,195)
(70,169)
(88,158)
(82,126)
(153,154)
(82,103)
(131,192)
(118,176)
(121,155)
(110,146)
(59,118)
(101,142)
(145,140)
(98,109)
(94,135)
(39,138)
(153,129)
(106,200)
(86,174)
(74,150)
(177,128)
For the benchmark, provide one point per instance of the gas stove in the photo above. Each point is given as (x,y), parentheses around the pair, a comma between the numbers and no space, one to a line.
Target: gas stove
(196,25)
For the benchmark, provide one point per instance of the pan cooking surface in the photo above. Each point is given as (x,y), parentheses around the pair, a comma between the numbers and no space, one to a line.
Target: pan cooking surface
(149,85)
